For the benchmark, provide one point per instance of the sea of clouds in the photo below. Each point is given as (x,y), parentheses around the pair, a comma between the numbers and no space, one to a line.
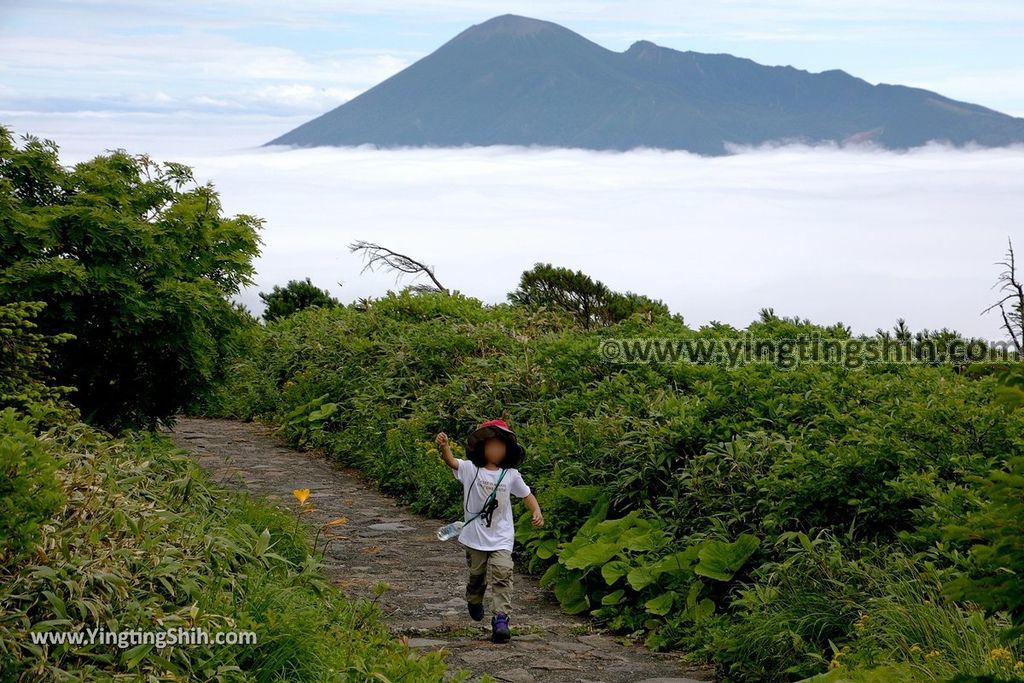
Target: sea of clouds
(854,235)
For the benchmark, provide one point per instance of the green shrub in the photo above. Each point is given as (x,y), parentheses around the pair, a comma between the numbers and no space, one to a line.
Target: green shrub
(296,296)
(25,359)
(136,261)
(28,488)
(995,576)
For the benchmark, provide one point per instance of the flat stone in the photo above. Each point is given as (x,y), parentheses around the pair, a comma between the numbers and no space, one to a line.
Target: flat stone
(449,605)
(390,526)
(530,645)
(482,656)
(595,640)
(413,625)
(570,646)
(426,642)
(607,655)
(518,675)
(552,665)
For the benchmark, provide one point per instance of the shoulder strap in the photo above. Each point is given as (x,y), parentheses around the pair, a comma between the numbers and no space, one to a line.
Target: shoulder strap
(494,492)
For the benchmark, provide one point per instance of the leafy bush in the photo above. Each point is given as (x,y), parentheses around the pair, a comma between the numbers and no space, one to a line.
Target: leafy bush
(590,302)
(994,579)
(296,296)
(136,261)
(128,265)
(25,358)
(28,487)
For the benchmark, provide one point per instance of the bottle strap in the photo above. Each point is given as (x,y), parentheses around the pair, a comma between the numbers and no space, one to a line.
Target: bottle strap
(493,494)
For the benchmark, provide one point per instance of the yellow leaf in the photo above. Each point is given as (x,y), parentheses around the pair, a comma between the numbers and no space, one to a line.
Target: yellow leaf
(337,521)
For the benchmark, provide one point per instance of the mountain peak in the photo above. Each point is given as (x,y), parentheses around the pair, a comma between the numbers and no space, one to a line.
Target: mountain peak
(643,49)
(641,45)
(513,25)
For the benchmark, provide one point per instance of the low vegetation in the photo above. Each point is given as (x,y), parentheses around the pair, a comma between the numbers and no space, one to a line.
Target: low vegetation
(779,523)
(144,542)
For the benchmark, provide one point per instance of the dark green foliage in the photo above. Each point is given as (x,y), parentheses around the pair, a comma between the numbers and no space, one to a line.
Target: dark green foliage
(589,302)
(28,487)
(29,495)
(743,514)
(133,259)
(25,358)
(996,576)
(297,295)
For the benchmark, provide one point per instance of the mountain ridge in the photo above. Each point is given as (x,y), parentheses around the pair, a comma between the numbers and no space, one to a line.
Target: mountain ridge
(515,80)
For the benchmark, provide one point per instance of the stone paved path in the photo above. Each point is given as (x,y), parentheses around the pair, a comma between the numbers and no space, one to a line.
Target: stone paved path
(384,541)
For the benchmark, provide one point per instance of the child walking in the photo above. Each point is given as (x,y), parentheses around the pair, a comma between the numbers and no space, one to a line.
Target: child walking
(494,453)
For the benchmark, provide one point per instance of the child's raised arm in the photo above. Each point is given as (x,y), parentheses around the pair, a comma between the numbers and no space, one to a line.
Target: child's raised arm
(446,451)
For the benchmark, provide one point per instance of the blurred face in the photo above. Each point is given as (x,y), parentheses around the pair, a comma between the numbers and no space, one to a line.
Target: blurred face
(494,451)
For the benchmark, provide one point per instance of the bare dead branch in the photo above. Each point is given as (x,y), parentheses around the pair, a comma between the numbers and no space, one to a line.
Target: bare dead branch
(1008,326)
(376,256)
(1013,289)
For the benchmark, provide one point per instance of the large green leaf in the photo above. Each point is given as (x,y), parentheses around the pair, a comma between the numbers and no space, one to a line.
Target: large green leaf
(613,598)
(640,577)
(572,593)
(611,528)
(679,563)
(640,539)
(698,609)
(323,412)
(547,548)
(551,575)
(593,555)
(720,560)
(661,604)
(600,511)
(613,571)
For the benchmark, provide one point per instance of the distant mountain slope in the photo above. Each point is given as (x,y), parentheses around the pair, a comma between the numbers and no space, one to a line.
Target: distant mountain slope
(519,81)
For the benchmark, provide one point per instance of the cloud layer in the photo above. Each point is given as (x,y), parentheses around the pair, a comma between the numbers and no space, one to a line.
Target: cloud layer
(861,236)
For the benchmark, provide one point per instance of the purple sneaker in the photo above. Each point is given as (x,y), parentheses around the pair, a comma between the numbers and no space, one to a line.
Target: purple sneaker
(500,632)
(475,611)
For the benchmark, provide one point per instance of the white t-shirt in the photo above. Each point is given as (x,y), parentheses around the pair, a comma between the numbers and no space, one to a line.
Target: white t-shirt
(477,484)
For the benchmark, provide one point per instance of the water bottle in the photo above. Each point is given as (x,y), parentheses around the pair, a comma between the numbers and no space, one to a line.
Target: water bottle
(449,531)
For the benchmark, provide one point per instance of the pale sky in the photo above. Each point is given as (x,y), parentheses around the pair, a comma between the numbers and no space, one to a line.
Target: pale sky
(255,68)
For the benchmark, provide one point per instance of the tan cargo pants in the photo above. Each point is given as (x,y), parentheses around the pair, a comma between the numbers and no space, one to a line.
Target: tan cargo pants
(490,569)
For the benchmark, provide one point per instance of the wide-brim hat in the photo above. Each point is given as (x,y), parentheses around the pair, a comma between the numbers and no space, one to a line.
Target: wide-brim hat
(496,429)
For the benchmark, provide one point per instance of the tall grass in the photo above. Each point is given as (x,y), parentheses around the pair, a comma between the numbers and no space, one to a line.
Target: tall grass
(910,622)
(146,542)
